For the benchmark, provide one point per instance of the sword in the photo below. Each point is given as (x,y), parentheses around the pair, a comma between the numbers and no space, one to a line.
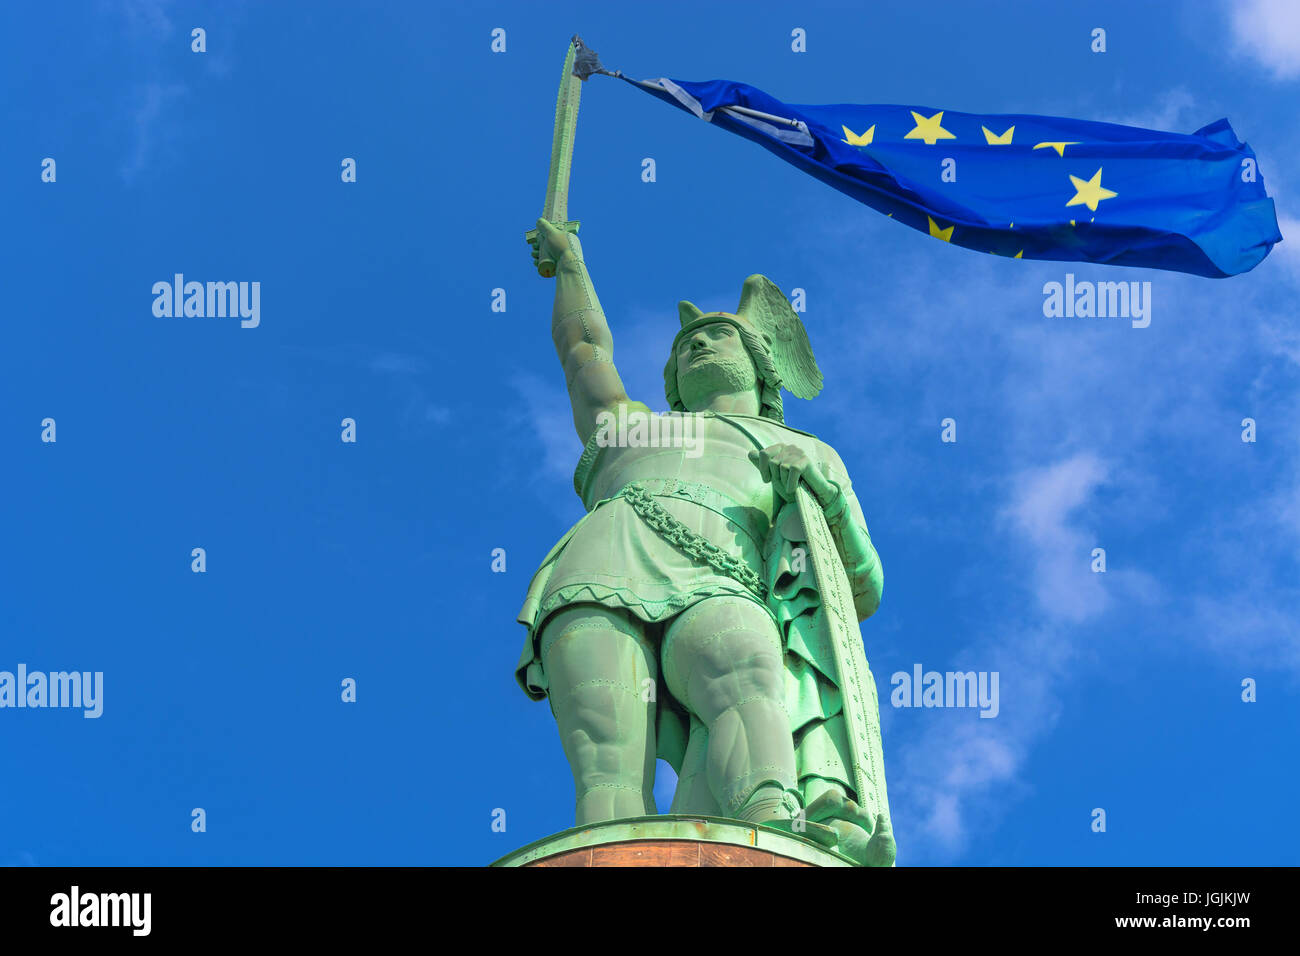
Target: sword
(856,683)
(579,63)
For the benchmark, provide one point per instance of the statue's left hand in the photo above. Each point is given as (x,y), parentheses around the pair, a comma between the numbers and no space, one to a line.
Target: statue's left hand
(785,465)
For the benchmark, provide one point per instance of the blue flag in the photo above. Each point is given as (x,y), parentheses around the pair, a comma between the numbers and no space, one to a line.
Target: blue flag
(1032,187)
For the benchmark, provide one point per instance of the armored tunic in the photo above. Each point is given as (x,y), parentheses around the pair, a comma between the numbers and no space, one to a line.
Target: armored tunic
(697,468)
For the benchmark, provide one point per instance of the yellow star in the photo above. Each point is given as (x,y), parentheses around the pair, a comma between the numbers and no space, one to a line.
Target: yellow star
(1089,192)
(1059,147)
(995,140)
(929,129)
(1018,254)
(944,234)
(858,139)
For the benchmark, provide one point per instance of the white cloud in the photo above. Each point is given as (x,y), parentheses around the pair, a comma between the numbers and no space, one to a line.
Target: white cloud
(958,759)
(144,18)
(1043,501)
(1252,627)
(1287,252)
(547,420)
(152,128)
(1269,32)
(1174,111)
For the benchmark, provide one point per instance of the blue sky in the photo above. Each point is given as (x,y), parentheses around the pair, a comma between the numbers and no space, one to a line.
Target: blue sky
(372,560)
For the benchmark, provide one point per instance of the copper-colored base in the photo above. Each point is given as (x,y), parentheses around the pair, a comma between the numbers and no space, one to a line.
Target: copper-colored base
(667,853)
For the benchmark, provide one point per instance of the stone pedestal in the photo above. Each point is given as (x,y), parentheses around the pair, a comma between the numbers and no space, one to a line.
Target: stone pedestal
(672,840)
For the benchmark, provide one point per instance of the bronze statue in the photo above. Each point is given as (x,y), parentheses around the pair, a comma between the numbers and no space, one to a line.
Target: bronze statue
(706,609)
(692,615)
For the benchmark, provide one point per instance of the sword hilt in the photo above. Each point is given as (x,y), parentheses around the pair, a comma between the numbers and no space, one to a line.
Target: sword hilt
(546,267)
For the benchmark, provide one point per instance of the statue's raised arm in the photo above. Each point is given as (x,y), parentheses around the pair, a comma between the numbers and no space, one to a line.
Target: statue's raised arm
(582,337)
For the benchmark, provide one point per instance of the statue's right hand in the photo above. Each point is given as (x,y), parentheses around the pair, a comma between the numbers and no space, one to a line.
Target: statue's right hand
(552,244)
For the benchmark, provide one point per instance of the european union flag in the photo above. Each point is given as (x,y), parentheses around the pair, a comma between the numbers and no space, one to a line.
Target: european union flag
(1033,187)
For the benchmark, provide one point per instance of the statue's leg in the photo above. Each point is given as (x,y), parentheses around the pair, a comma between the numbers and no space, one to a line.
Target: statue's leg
(597,661)
(693,794)
(722,659)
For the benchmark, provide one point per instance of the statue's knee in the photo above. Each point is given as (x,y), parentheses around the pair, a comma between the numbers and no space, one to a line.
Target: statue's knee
(600,712)
(607,753)
(741,694)
(763,672)
(748,666)
(727,652)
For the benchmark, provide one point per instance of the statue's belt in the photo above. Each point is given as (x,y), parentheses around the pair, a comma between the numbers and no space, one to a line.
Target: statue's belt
(751,521)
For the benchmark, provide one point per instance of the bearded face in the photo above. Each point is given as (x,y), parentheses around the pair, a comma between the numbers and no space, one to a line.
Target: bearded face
(713,360)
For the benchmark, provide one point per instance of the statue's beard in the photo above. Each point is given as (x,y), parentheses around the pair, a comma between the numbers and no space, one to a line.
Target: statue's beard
(700,382)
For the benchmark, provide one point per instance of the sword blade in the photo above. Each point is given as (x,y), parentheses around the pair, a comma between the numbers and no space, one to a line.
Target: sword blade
(856,684)
(556,207)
